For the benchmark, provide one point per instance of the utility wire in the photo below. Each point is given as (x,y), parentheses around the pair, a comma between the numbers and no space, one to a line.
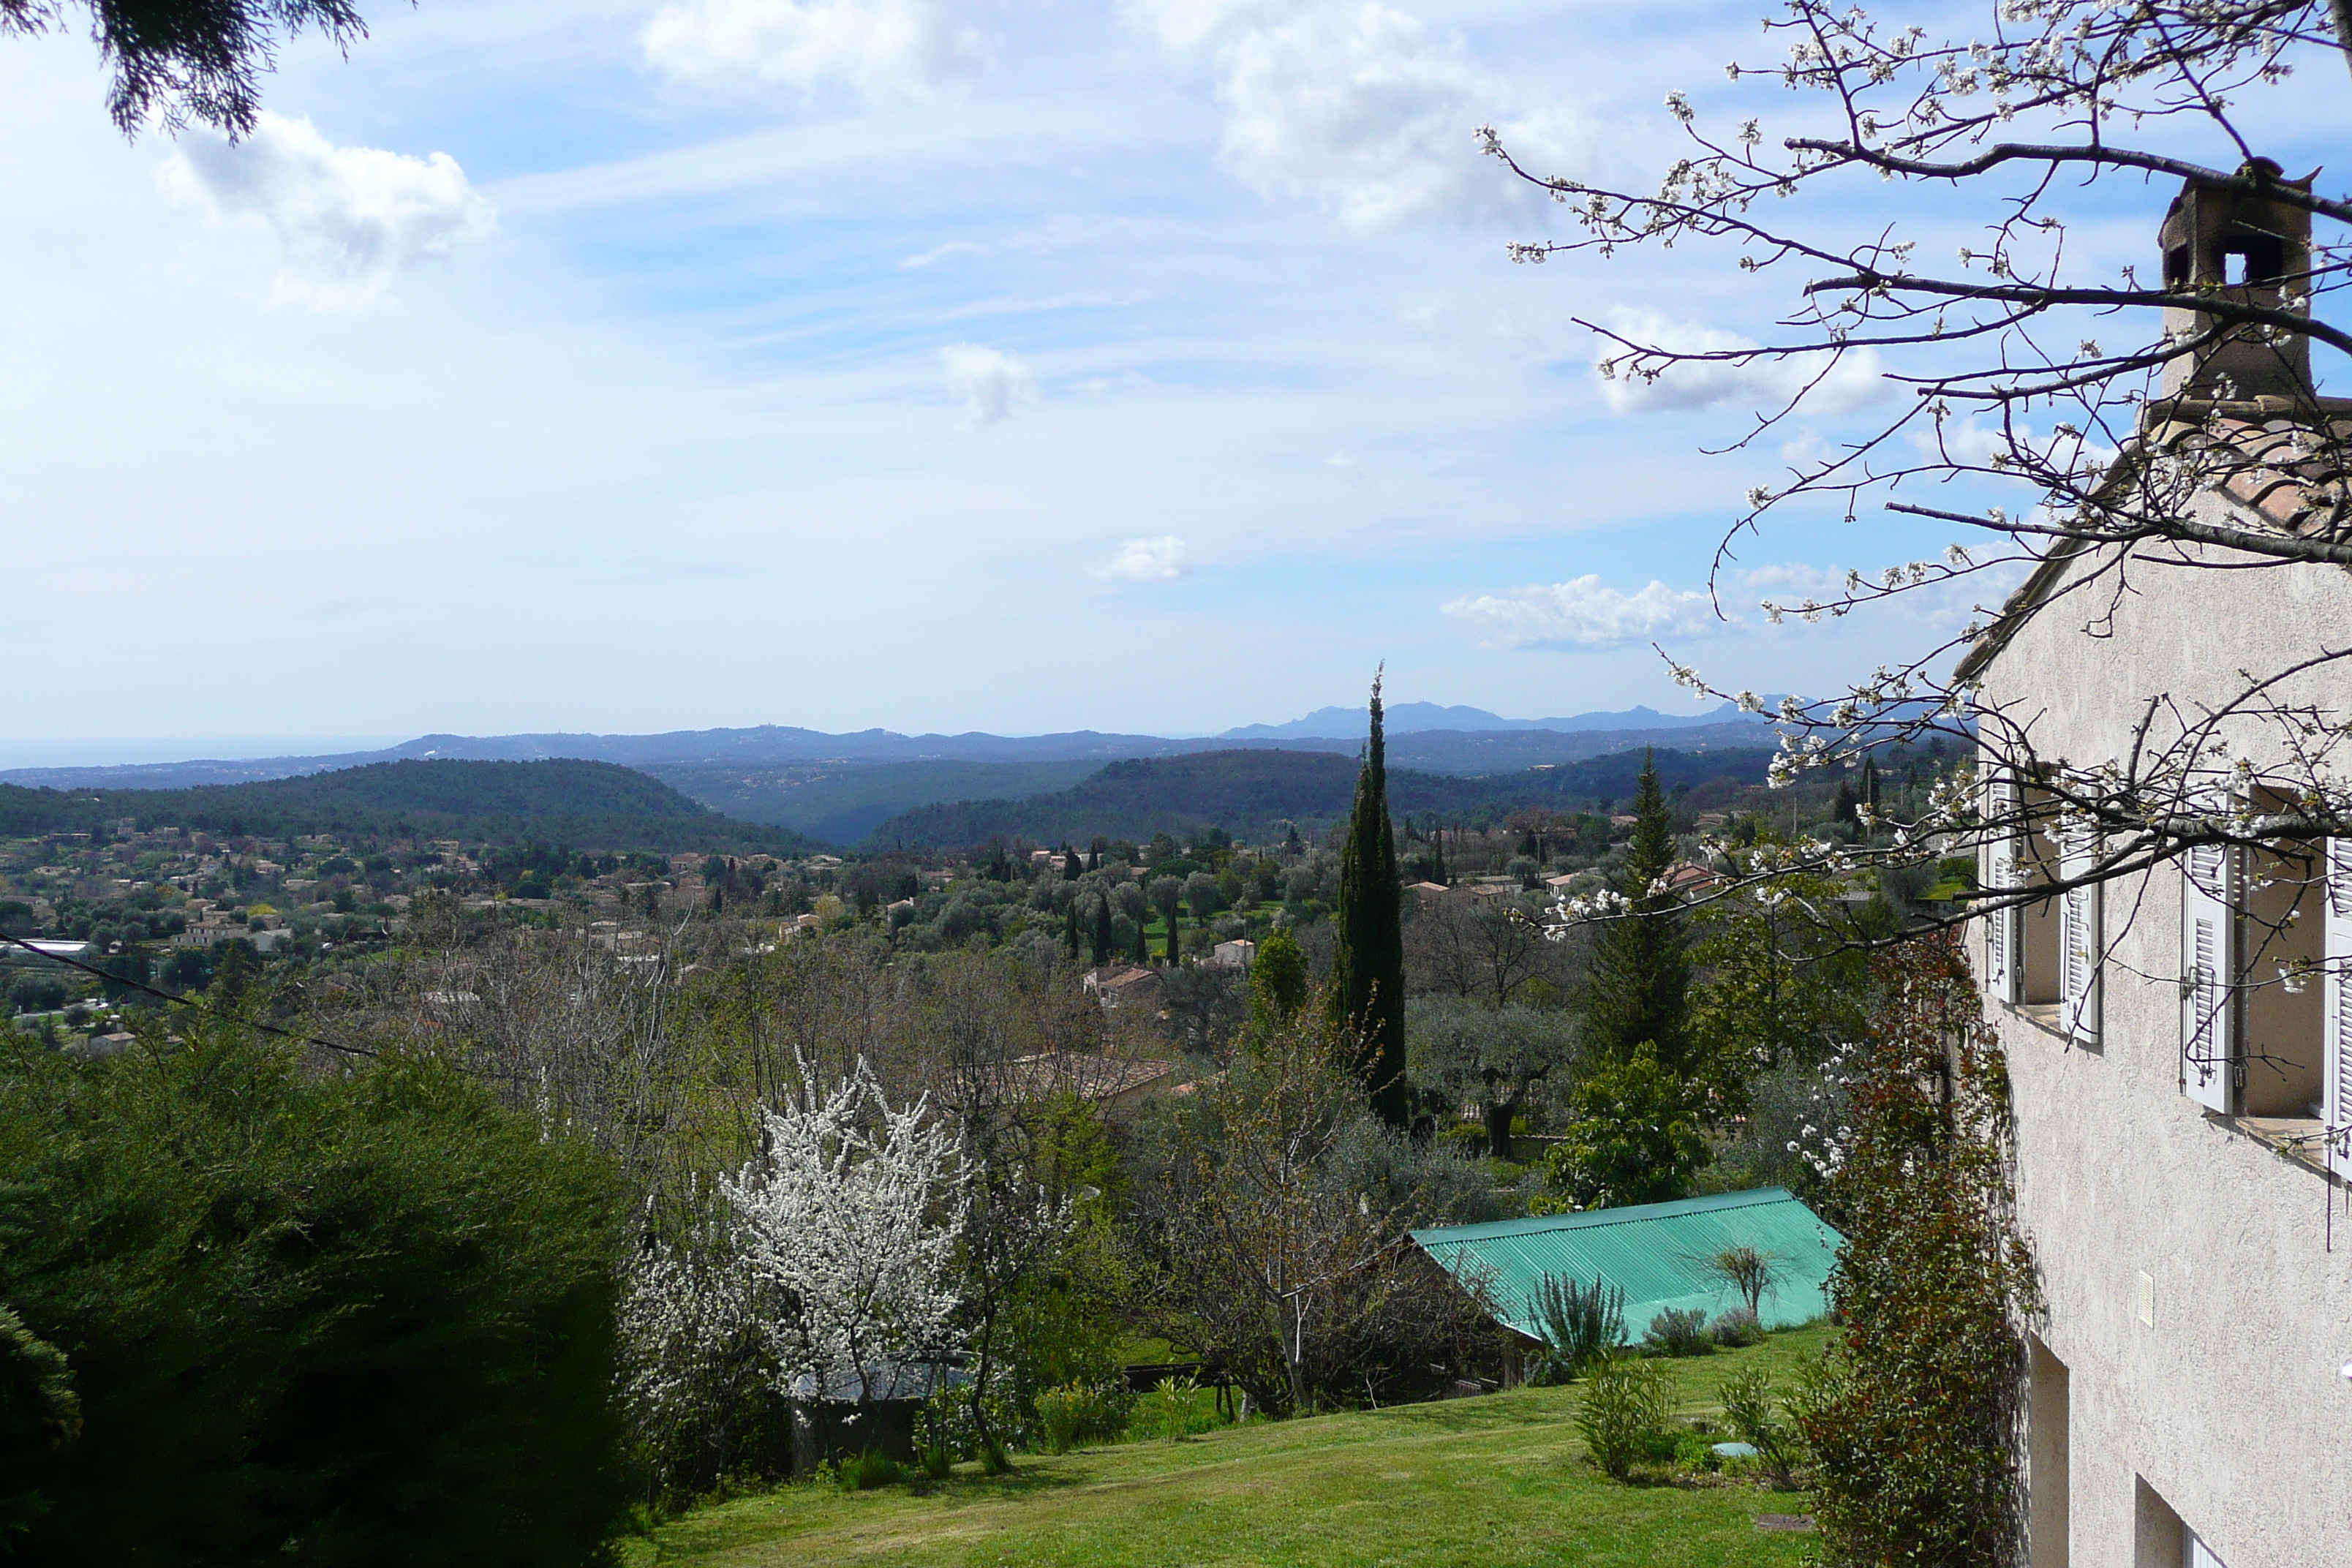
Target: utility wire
(206,1008)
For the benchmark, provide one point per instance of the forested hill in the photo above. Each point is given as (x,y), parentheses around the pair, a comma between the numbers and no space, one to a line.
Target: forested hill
(1251,794)
(576,804)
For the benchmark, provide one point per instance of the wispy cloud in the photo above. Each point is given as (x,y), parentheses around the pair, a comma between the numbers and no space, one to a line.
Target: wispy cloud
(1161,560)
(886,49)
(1846,382)
(990,381)
(350,219)
(1585,613)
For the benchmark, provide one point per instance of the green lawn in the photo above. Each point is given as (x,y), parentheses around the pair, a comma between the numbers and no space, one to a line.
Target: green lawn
(1499,1480)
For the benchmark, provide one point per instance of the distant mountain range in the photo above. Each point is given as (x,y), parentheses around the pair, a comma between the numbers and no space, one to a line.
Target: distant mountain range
(779,745)
(841,788)
(1414,718)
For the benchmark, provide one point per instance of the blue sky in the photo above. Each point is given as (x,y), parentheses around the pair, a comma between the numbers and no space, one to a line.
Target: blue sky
(920,364)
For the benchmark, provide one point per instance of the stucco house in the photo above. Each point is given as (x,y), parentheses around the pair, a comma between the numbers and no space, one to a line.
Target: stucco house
(2181,1103)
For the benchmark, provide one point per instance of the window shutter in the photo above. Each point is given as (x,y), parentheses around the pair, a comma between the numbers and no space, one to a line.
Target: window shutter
(2082,944)
(2335,1056)
(2209,1043)
(2004,929)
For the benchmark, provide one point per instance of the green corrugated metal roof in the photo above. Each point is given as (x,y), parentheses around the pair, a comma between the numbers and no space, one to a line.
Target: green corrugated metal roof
(1656,1253)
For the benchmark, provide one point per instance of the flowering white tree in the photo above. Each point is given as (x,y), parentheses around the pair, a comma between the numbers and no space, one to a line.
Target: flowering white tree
(695,1363)
(851,1212)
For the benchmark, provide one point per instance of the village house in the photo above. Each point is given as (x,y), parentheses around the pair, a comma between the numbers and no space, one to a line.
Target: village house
(2180,1103)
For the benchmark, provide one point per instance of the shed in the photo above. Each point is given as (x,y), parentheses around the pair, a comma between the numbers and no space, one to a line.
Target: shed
(1656,1253)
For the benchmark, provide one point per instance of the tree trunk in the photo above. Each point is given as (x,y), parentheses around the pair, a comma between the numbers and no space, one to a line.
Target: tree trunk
(1499,1117)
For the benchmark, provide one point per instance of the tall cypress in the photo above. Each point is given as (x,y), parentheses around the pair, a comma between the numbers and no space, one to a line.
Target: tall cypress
(1368,952)
(1438,861)
(1638,982)
(1102,931)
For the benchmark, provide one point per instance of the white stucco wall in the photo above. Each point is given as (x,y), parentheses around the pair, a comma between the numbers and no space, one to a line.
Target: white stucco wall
(2229,1404)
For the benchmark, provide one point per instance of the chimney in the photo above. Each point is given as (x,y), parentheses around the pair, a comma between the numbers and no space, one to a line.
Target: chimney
(2245,246)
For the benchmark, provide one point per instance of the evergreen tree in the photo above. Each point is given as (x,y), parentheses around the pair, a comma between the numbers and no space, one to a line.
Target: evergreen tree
(1070,928)
(1437,860)
(1141,953)
(1368,954)
(1072,867)
(1637,985)
(1101,930)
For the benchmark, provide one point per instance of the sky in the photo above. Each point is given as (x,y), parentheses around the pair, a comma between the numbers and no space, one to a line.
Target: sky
(931,364)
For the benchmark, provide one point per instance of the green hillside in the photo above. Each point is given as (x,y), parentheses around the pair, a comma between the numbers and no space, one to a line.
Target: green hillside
(1254,793)
(842,803)
(581,805)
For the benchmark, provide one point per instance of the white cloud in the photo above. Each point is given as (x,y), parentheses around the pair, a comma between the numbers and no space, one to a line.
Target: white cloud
(1757,385)
(350,218)
(990,381)
(1585,613)
(886,49)
(1354,106)
(1158,559)
(1189,24)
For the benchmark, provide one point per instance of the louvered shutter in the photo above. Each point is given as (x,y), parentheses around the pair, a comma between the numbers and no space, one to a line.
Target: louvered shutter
(2336,1055)
(2004,931)
(2209,1036)
(2081,942)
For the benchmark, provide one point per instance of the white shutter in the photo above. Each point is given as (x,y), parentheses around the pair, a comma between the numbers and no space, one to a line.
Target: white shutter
(2335,1052)
(2081,942)
(2004,931)
(2208,1036)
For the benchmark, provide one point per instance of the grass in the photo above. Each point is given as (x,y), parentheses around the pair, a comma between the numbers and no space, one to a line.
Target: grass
(1471,1483)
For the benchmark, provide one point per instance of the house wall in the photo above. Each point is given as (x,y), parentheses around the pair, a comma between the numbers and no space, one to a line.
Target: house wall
(2227,1407)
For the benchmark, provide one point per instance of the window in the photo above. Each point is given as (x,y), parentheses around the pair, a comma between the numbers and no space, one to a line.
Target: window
(2025,947)
(2266,1024)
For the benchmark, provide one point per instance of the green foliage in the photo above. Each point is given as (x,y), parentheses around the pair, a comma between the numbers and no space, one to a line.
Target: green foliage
(1278,982)
(1678,1330)
(1749,1411)
(1638,977)
(301,1307)
(1367,995)
(1912,1414)
(1633,1139)
(1080,1413)
(1623,1414)
(1777,991)
(1580,1324)
(1736,1328)
(1172,1411)
(864,1472)
(1260,793)
(1459,1051)
(40,1415)
(590,804)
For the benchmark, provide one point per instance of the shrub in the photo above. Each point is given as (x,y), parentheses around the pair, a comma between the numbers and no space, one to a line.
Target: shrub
(1078,1413)
(1579,1323)
(1747,1411)
(1173,1411)
(1624,1412)
(1678,1330)
(1736,1328)
(864,1472)
(361,1318)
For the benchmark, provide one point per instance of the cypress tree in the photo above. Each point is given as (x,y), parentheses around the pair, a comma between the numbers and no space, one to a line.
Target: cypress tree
(1141,953)
(1368,953)
(1637,984)
(1438,861)
(1070,928)
(1102,931)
